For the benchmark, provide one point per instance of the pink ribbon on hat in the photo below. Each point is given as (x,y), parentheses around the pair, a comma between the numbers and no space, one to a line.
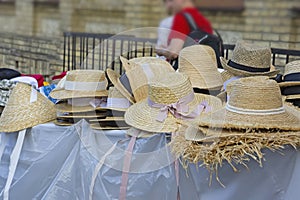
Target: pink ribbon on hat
(179,109)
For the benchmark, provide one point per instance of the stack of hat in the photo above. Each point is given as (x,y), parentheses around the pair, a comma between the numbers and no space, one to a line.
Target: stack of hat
(255,117)
(6,87)
(290,85)
(170,102)
(82,94)
(116,106)
(25,108)
(247,60)
(199,63)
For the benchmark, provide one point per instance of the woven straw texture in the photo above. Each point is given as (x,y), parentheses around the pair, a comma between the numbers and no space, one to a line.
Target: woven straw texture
(139,80)
(291,68)
(65,107)
(113,92)
(81,76)
(20,114)
(109,119)
(250,55)
(167,90)
(114,77)
(199,63)
(236,149)
(254,93)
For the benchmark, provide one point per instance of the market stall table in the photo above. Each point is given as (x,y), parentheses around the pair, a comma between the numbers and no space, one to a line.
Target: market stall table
(60,163)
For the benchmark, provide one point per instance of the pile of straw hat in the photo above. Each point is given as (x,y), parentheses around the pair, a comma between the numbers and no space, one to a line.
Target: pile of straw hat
(25,108)
(254,117)
(290,85)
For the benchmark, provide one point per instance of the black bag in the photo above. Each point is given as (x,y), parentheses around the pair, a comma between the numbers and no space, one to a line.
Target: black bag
(201,37)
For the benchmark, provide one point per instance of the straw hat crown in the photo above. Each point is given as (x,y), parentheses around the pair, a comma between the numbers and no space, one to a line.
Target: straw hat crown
(255,93)
(200,64)
(26,108)
(81,83)
(292,68)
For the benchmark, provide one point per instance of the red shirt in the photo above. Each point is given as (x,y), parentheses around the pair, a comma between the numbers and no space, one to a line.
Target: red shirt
(181,28)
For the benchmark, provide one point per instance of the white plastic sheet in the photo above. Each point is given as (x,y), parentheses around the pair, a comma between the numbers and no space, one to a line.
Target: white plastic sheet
(59,162)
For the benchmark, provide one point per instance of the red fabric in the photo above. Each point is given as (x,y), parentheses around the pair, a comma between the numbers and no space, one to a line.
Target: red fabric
(180,27)
(40,79)
(59,76)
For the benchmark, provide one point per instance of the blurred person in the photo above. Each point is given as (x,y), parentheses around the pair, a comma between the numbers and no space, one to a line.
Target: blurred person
(180,28)
(165,25)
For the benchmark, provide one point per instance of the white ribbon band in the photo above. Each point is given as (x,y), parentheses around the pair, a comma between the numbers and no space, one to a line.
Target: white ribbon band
(33,95)
(85,86)
(80,101)
(14,159)
(148,71)
(118,103)
(254,112)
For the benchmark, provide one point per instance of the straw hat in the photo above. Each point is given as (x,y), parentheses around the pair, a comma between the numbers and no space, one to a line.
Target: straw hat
(254,103)
(250,60)
(136,62)
(141,74)
(116,101)
(171,99)
(290,87)
(82,115)
(111,123)
(121,83)
(26,108)
(79,105)
(199,63)
(81,83)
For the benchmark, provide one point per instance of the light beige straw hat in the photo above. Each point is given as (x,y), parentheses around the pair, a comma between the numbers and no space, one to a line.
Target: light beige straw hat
(171,100)
(79,105)
(82,115)
(140,76)
(250,60)
(254,103)
(26,108)
(120,82)
(116,101)
(199,63)
(81,83)
(136,62)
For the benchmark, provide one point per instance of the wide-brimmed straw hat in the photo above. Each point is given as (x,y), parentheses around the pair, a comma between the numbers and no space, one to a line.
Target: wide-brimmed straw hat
(136,62)
(116,100)
(199,63)
(290,87)
(254,103)
(81,83)
(79,105)
(141,74)
(171,100)
(26,108)
(82,115)
(121,83)
(250,60)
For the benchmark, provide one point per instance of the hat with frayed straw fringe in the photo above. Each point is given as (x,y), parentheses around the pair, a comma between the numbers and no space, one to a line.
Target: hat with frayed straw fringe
(170,101)
(26,108)
(291,80)
(250,60)
(135,62)
(140,76)
(116,101)
(199,63)
(81,83)
(254,103)
(121,83)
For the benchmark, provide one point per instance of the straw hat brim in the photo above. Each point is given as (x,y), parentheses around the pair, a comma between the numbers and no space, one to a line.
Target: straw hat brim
(289,120)
(108,119)
(133,132)
(65,107)
(69,94)
(288,84)
(114,77)
(290,97)
(117,109)
(143,117)
(98,127)
(59,123)
(226,75)
(82,116)
(242,73)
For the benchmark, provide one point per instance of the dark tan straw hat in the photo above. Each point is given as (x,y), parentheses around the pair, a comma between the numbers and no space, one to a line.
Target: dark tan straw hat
(26,108)
(250,60)
(81,83)
(199,63)
(171,100)
(254,103)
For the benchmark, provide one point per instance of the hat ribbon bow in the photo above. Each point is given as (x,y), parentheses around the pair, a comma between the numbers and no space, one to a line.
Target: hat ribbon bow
(179,109)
